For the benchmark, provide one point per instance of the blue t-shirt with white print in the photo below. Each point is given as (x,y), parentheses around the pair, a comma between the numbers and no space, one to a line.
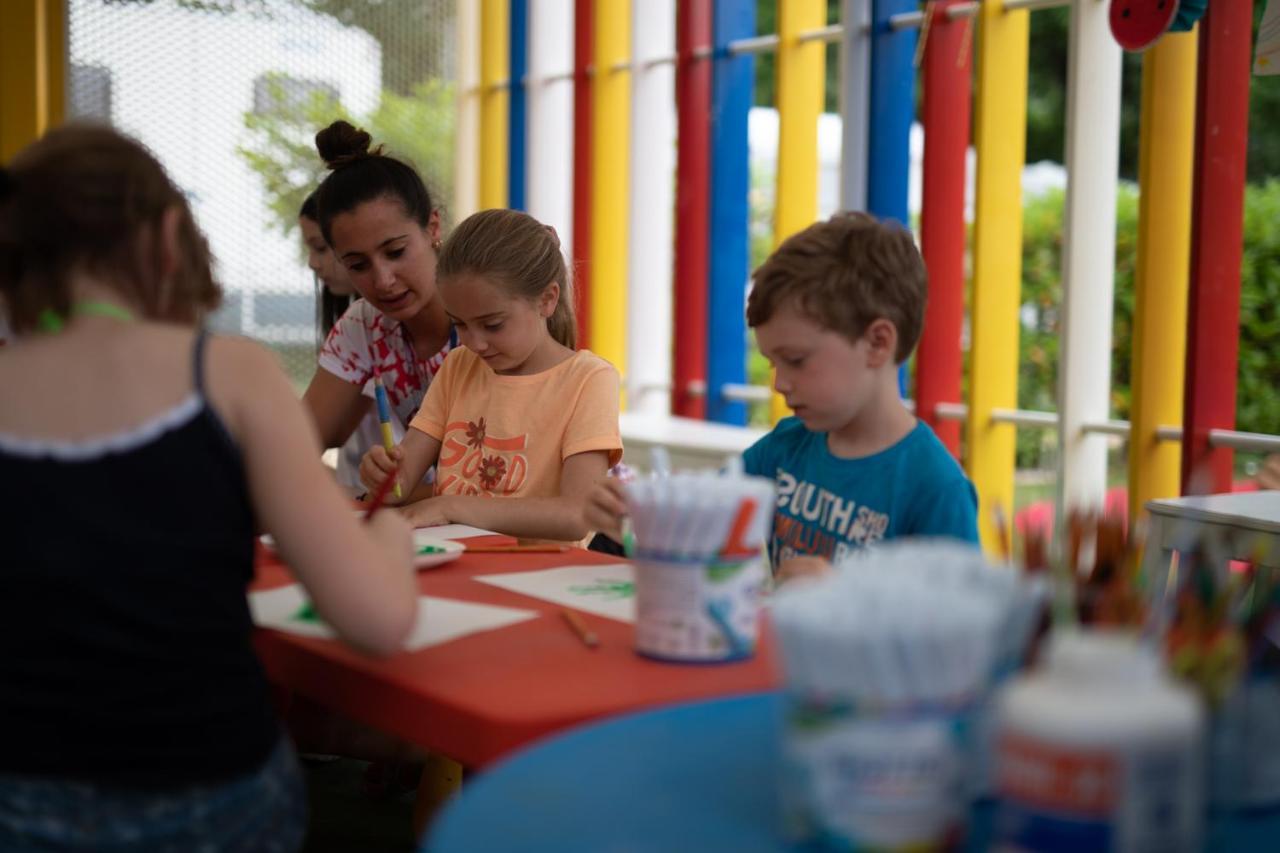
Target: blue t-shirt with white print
(828,506)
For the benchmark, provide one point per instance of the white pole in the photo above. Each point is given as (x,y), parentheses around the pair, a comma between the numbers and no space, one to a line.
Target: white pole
(1088,264)
(549,118)
(466,155)
(855,102)
(653,165)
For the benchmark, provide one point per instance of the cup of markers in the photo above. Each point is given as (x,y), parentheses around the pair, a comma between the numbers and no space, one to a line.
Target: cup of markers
(699,564)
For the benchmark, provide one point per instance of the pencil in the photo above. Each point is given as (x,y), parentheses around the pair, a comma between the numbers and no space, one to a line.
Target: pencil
(585,634)
(384,417)
(381,495)
(517,549)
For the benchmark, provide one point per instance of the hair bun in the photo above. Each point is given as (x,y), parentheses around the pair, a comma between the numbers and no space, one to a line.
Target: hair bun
(341,143)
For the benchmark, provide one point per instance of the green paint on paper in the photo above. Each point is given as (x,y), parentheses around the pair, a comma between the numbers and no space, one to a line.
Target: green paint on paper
(307,613)
(432,549)
(606,590)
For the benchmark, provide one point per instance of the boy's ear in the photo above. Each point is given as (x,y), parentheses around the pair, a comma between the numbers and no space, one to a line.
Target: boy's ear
(882,336)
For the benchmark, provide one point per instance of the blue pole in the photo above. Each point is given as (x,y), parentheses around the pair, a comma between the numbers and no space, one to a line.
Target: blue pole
(892,107)
(516,124)
(732,88)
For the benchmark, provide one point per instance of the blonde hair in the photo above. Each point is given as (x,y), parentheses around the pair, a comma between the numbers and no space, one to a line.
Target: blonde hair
(517,251)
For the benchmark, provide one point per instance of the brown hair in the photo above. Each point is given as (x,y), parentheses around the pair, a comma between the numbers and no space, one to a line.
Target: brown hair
(520,252)
(360,174)
(844,274)
(86,199)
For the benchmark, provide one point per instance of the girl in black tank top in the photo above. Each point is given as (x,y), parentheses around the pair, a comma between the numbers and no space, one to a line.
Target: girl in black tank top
(134,714)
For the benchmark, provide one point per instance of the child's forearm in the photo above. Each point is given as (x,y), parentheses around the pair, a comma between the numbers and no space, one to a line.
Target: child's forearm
(558,518)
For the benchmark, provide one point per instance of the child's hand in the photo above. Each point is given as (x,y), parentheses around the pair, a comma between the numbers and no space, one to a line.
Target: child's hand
(429,512)
(377,465)
(605,508)
(803,567)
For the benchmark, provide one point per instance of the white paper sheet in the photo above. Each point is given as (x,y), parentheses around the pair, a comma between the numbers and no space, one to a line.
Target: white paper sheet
(456,531)
(607,590)
(439,619)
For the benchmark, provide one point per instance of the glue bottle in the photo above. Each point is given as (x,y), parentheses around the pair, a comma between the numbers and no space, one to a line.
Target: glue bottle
(1099,750)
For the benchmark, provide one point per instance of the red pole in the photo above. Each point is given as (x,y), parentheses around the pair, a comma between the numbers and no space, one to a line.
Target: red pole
(583,30)
(945,108)
(1217,236)
(693,223)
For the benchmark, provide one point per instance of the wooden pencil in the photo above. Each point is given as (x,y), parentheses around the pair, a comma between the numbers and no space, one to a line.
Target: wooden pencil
(585,634)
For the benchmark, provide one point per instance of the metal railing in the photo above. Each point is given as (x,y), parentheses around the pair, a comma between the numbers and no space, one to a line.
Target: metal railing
(830,34)
(1249,442)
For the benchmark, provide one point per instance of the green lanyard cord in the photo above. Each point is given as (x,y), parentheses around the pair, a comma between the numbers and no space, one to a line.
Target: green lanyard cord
(50,322)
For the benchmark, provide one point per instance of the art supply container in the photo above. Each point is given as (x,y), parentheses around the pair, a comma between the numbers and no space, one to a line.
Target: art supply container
(873,779)
(1244,750)
(699,564)
(698,611)
(1099,750)
(888,663)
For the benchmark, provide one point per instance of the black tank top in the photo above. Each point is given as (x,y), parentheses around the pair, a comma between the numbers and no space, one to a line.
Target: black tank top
(125,636)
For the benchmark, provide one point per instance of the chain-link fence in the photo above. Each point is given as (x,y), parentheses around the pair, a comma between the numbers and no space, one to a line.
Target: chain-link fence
(229,94)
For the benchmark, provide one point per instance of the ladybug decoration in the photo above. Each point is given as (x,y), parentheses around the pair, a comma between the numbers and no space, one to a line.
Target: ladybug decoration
(1136,24)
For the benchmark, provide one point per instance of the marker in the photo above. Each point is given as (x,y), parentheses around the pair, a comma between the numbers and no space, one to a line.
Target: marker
(384,419)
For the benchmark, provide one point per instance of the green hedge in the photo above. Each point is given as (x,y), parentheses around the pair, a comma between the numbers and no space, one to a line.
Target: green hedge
(1258,401)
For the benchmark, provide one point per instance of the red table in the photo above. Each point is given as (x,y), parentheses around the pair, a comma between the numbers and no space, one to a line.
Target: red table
(477,698)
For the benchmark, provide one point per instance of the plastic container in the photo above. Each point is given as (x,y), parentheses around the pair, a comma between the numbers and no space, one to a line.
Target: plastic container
(1099,750)
(698,611)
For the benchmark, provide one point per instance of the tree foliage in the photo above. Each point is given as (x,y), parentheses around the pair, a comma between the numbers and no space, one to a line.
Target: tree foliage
(416,127)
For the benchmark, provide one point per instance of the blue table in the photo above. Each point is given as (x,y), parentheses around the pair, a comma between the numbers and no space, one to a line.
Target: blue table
(688,777)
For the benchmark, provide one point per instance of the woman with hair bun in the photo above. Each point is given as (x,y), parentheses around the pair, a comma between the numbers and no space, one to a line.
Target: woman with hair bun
(380,222)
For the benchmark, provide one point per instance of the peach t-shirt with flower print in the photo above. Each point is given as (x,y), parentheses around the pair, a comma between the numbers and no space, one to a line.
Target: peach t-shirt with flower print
(508,436)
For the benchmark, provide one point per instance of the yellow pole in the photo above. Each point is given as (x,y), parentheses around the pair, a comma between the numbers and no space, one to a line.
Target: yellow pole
(1000,124)
(32,71)
(495,64)
(610,183)
(801,80)
(1165,163)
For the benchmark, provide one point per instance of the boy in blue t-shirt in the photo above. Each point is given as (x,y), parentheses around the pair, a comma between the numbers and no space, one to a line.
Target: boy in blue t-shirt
(836,309)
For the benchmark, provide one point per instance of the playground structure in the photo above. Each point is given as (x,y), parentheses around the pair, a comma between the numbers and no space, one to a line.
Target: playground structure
(624,124)
(562,106)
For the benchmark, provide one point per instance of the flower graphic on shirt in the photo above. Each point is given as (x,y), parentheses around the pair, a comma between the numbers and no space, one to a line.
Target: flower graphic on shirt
(491,471)
(475,433)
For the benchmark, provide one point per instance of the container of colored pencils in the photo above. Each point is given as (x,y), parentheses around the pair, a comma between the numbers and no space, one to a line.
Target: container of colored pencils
(384,420)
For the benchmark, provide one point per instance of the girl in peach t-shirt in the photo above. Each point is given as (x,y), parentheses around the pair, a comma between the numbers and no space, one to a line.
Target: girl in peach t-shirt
(515,411)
